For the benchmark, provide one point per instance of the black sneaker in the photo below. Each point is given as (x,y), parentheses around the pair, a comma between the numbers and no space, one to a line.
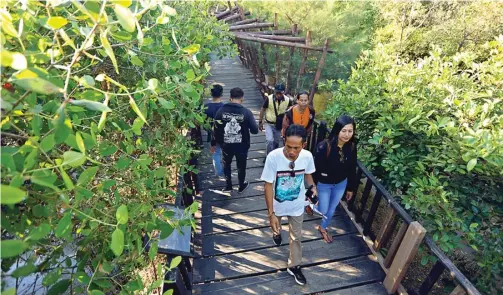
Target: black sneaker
(276,239)
(241,189)
(227,189)
(297,274)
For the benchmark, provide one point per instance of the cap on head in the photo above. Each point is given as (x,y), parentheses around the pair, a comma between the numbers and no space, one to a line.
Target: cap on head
(280,87)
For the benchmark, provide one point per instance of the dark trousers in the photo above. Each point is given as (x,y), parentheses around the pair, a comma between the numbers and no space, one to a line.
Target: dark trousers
(241,157)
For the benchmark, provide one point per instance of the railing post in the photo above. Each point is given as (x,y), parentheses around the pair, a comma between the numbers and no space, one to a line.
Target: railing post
(408,249)
(292,51)
(303,62)
(318,72)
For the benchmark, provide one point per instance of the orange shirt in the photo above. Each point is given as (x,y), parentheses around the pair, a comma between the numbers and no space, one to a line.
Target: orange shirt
(301,118)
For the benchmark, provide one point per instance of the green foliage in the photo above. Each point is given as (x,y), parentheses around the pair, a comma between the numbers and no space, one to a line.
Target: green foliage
(431,129)
(348,25)
(96,100)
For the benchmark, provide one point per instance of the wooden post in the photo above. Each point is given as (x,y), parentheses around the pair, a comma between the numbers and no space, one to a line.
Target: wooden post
(292,51)
(304,59)
(276,21)
(458,291)
(406,252)
(318,72)
(241,13)
(264,58)
(276,64)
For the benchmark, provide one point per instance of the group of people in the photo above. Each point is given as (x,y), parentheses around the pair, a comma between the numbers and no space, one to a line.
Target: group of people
(291,173)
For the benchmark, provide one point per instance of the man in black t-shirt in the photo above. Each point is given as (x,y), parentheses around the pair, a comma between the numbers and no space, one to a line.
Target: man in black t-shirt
(233,125)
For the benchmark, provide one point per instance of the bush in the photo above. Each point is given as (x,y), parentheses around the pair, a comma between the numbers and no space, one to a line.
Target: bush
(431,130)
(95,100)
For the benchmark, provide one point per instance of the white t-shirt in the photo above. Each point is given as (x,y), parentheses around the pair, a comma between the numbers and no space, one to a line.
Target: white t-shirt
(289,191)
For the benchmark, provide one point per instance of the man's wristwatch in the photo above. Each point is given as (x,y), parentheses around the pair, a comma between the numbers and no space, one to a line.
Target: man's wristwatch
(271,214)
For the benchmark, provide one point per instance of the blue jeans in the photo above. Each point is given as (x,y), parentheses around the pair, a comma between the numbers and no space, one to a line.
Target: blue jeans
(329,197)
(217,161)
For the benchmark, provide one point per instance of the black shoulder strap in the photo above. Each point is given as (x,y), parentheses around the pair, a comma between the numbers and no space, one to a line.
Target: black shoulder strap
(275,110)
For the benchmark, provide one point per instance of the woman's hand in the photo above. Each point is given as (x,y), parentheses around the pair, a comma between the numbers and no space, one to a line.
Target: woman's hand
(349,195)
(213,149)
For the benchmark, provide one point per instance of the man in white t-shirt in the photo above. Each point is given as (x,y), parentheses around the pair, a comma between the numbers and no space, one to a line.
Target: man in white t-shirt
(285,171)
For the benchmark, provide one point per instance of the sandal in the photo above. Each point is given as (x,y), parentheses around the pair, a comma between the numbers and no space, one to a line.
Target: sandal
(326,237)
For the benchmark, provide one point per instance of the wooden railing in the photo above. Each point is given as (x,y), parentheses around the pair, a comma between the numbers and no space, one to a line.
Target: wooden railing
(398,230)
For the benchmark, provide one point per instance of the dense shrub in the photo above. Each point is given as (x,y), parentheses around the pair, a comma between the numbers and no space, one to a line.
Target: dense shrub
(432,131)
(96,97)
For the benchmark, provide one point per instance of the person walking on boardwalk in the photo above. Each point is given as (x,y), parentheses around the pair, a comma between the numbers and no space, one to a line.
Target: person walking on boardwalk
(233,125)
(211,109)
(285,172)
(273,109)
(301,113)
(335,161)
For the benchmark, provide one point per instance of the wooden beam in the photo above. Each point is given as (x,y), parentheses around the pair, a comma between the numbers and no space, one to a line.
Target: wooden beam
(275,21)
(234,17)
(317,76)
(282,43)
(274,37)
(274,32)
(245,22)
(408,249)
(251,26)
(221,15)
(458,291)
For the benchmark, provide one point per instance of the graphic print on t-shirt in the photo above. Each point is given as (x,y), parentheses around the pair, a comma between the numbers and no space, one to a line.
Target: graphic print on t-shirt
(232,129)
(288,186)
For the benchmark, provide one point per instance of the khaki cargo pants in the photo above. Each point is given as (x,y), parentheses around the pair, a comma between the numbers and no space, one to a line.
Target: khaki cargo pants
(295,232)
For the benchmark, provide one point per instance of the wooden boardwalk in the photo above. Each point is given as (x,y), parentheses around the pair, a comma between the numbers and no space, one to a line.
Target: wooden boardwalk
(235,253)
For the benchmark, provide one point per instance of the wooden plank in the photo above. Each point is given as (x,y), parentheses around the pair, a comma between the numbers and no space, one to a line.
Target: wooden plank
(248,204)
(458,291)
(225,13)
(386,229)
(370,218)
(273,37)
(244,221)
(284,43)
(408,249)
(394,246)
(205,157)
(250,26)
(370,289)
(254,146)
(208,171)
(262,237)
(246,21)
(347,277)
(273,259)
(274,32)
(435,273)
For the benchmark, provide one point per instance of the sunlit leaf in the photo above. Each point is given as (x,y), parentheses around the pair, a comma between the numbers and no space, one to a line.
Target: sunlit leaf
(11,195)
(64,225)
(30,79)
(135,108)
(117,244)
(126,17)
(122,214)
(108,49)
(56,22)
(12,248)
(91,105)
(74,159)
(14,60)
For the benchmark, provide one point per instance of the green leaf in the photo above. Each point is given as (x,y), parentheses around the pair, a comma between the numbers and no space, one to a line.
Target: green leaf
(59,288)
(51,277)
(169,105)
(91,105)
(175,262)
(66,179)
(40,231)
(122,214)
(30,79)
(97,292)
(23,271)
(108,49)
(153,84)
(74,159)
(12,248)
(80,142)
(48,142)
(424,260)
(11,195)
(87,80)
(126,17)
(135,108)
(117,244)
(87,176)
(169,292)
(136,61)
(15,60)
(64,225)
(190,75)
(125,3)
(56,22)
(166,230)
(471,164)
(122,163)
(192,49)
(152,252)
